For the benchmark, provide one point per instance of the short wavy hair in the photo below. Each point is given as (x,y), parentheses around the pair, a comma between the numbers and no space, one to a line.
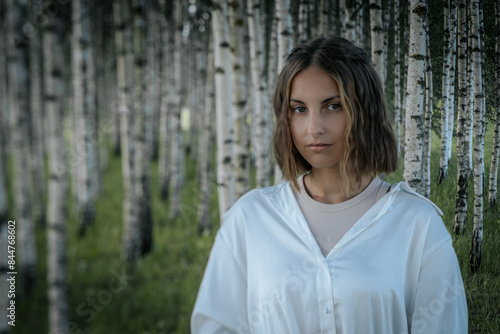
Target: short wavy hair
(369,143)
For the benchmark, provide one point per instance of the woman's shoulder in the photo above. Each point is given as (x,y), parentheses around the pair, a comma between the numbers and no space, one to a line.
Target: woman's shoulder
(407,197)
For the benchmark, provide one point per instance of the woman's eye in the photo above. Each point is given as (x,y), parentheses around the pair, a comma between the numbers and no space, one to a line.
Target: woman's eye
(333,106)
(299,109)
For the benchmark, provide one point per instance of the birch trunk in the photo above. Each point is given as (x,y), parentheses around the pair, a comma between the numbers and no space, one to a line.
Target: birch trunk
(443,163)
(451,83)
(428,120)
(37,129)
(57,186)
(342,18)
(177,145)
(239,101)
(460,221)
(351,22)
(84,109)
(141,119)
(477,233)
(259,90)
(415,96)
(397,75)
(123,40)
(303,15)
(386,20)
(205,146)
(285,40)
(377,37)
(17,58)
(225,155)
(470,103)
(492,192)
(154,83)
(165,126)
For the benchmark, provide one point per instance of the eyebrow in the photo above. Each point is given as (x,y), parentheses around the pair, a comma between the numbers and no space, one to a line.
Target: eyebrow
(324,101)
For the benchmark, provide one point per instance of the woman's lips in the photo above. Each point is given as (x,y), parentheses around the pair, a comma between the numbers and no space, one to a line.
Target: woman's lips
(318,147)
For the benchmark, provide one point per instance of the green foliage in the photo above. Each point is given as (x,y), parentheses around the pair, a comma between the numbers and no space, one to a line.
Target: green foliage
(160,293)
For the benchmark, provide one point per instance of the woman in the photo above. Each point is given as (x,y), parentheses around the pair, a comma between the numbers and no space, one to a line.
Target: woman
(336,250)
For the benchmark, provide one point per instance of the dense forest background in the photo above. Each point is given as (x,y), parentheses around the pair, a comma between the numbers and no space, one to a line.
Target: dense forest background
(128,127)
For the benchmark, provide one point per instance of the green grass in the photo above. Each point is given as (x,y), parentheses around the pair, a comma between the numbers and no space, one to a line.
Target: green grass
(160,296)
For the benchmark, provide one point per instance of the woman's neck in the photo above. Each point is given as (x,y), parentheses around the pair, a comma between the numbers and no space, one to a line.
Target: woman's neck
(327,186)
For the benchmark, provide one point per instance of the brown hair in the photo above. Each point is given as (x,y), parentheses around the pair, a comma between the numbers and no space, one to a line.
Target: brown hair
(370,146)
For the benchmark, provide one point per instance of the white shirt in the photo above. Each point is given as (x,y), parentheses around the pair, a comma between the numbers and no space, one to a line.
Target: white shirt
(394,271)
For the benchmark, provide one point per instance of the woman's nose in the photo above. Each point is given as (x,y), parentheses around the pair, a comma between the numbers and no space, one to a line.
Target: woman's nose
(316,124)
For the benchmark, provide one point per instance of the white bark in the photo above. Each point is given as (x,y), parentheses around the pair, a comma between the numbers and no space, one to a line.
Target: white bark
(451,83)
(342,18)
(123,40)
(351,22)
(167,42)
(492,192)
(397,76)
(462,174)
(239,100)
(205,146)
(17,58)
(141,119)
(84,109)
(260,93)
(303,26)
(445,130)
(426,173)
(177,95)
(377,36)
(477,234)
(37,125)
(415,96)
(224,117)
(470,103)
(57,185)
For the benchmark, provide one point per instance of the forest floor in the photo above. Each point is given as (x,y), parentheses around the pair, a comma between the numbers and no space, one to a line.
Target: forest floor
(157,295)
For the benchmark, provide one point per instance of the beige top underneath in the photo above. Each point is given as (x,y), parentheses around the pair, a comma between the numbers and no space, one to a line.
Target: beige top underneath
(329,222)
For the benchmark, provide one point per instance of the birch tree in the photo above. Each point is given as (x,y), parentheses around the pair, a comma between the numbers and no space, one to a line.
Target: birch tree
(84,109)
(176,98)
(205,146)
(57,185)
(223,99)
(397,75)
(239,101)
(426,172)
(477,233)
(142,156)
(259,90)
(492,193)
(377,37)
(36,124)
(414,123)
(17,57)
(124,64)
(451,83)
(443,163)
(462,173)
(167,33)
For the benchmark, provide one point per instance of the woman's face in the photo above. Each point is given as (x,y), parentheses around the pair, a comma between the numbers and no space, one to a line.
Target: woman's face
(317,119)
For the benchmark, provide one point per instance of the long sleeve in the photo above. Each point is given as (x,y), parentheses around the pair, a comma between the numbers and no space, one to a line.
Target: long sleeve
(221,303)
(440,303)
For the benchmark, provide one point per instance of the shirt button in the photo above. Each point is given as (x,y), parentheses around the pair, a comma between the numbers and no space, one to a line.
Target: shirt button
(327,310)
(390,209)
